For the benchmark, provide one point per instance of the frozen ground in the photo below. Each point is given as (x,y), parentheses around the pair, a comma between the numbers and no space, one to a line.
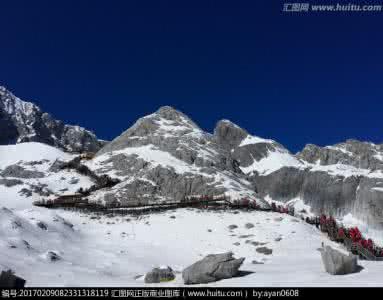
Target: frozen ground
(115,251)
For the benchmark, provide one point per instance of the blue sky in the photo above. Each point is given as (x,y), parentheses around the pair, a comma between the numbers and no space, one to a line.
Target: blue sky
(294,77)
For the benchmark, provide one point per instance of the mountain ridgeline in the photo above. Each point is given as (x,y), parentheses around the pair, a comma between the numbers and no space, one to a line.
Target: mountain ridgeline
(22,121)
(165,156)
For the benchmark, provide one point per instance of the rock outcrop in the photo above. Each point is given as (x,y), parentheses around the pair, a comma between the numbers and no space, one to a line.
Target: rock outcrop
(337,263)
(9,280)
(212,268)
(158,275)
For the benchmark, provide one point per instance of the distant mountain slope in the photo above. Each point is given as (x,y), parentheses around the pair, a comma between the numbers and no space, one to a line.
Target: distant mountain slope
(22,121)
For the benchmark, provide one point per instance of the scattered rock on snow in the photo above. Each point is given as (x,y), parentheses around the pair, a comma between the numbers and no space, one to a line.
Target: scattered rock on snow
(255,243)
(42,225)
(249,225)
(212,268)
(244,236)
(25,192)
(264,250)
(74,180)
(17,171)
(10,182)
(158,275)
(51,256)
(233,226)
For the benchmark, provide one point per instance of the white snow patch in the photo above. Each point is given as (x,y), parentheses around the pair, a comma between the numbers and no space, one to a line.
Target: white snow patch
(273,162)
(250,139)
(27,152)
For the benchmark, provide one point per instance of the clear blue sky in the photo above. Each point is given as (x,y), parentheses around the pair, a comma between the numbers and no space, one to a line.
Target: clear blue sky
(297,78)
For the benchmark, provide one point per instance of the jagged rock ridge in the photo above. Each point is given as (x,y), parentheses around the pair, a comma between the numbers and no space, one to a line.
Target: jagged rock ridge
(22,121)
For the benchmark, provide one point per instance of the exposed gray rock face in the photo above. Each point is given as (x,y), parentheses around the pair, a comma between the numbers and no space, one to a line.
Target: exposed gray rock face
(22,121)
(25,192)
(352,152)
(171,131)
(284,184)
(213,267)
(337,263)
(17,171)
(336,180)
(39,189)
(158,275)
(335,195)
(10,182)
(166,156)
(332,190)
(355,187)
(264,250)
(248,151)
(229,135)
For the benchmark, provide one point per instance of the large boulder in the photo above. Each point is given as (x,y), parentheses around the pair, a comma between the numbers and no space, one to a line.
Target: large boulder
(212,268)
(337,263)
(158,275)
(9,280)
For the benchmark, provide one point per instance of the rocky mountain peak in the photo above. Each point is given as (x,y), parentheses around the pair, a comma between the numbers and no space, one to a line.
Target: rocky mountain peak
(229,135)
(364,155)
(163,128)
(22,121)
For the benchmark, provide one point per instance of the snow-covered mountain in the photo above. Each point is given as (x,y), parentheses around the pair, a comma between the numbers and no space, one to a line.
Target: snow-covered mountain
(167,156)
(22,121)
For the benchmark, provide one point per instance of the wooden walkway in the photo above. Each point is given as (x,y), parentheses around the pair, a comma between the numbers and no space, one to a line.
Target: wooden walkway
(85,203)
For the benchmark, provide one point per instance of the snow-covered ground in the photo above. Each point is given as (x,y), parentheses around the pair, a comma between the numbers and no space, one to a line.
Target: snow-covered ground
(115,251)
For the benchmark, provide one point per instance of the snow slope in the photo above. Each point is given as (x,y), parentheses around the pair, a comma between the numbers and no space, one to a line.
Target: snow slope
(36,157)
(28,152)
(116,251)
(275,160)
